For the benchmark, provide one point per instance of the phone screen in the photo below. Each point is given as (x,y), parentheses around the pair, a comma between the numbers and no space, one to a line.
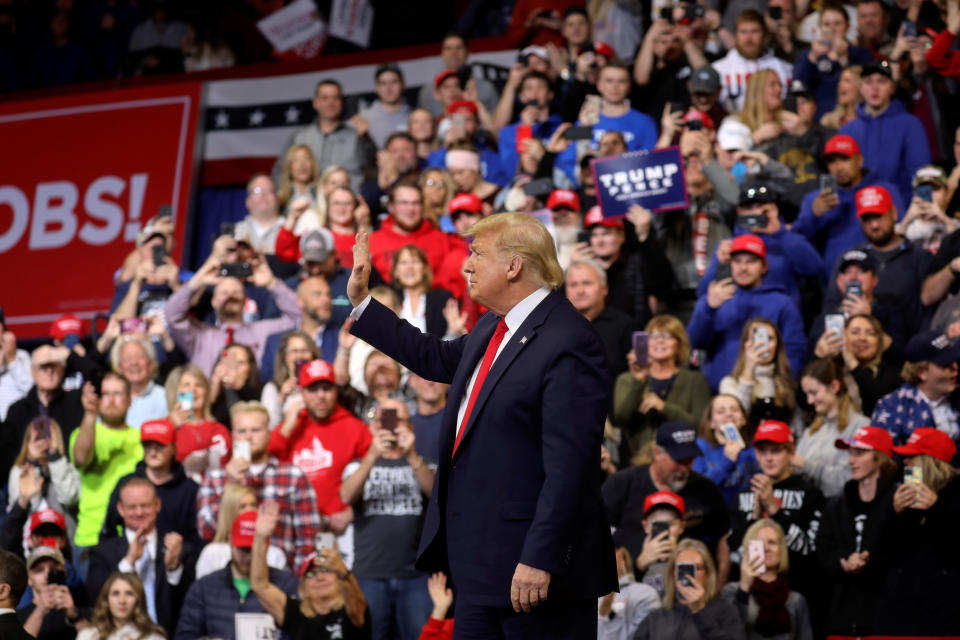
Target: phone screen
(658,527)
(723,271)
(854,288)
(925,192)
(325,540)
(524,132)
(828,182)
(755,550)
(241,449)
(578,133)
(41,427)
(185,400)
(388,420)
(686,572)
(641,347)
(583,236)
(761,335)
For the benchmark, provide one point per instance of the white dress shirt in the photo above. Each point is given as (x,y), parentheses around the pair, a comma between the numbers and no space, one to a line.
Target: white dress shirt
(150,549)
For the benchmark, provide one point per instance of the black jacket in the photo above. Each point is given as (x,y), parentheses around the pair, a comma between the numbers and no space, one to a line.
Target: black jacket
(920,596)
(64,407)
(178,506)
(848,525)
(11,629)
(105,557)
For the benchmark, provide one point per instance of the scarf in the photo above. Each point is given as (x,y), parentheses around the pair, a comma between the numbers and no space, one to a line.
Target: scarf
(771,597)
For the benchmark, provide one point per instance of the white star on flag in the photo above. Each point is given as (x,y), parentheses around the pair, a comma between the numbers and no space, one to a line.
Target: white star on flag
(292,114)
(222,120)
(256,118)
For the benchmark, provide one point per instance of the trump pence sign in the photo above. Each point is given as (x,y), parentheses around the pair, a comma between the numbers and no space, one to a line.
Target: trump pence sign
(651,178)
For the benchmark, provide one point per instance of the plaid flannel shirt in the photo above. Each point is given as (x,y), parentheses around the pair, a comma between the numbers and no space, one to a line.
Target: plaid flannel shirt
(285,483)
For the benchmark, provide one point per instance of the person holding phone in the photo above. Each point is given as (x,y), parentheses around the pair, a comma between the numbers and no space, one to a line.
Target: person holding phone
(662,526)
(388,490)
(55,611)
(202,442)
(926,222)
(767,605)
(294,350)
(848,539)
(721,436)
(235,379)
(918,596)
(533,120)
(659,386)
(692,608)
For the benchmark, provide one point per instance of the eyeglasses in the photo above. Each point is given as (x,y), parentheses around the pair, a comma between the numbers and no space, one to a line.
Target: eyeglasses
(434,183)
(661,335)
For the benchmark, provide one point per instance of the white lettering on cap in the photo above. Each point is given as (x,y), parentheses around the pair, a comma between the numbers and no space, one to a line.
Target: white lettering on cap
(683,437)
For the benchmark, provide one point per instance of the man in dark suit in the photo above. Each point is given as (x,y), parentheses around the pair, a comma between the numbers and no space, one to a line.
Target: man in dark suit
(13,582)
(158,557)
(515,515)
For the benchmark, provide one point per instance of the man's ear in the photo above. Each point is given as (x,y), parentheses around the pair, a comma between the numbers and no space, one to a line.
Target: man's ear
(514,268)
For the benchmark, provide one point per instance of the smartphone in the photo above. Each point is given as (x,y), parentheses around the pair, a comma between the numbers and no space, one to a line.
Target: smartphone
(185,400)
(464,74)
(583,236)
(578,133)
(133,325)
(723,271)
(524,133)
(641,347)
(227,229)
(828,183)
(686,573)
(96,379)
(297,366)
(925,192)
(539,188)
(776,13)
(909,29)
(57,576)
(241,270)
(731,433)
(694,10)
(325,540)
(695,125)
(854,288)
(164,211)
(658,527)
(834,322)
(241,449)
(677,106)
(913,475)
(388,420)
(761,335)
(41,427)
(755,550)
(666,13)
(159,254)
(790,103)
(753,221)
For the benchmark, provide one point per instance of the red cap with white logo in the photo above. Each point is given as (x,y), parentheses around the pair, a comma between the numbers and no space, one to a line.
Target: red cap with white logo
(929,441)
(563,198)
(749,243)
(873,199)
(595,216)
(316,371)
(872,438)
(66,324)
(161,431)
(662,499)
(773,431)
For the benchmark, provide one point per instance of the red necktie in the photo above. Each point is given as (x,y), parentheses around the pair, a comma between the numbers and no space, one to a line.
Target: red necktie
(485,365)
(229,336)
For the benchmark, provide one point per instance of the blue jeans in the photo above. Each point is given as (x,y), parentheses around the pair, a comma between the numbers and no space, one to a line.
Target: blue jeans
(399,607)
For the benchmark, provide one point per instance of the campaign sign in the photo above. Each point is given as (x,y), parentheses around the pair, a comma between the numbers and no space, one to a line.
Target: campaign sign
(651,178)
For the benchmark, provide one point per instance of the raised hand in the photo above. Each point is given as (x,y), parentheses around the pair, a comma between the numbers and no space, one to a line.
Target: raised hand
(358,287)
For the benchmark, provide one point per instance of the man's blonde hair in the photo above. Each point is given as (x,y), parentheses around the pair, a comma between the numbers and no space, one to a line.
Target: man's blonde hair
(517,234)
(251,406)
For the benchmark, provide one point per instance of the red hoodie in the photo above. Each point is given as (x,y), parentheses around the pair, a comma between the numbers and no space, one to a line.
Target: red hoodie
(322,450)
(386,241)
(941,58)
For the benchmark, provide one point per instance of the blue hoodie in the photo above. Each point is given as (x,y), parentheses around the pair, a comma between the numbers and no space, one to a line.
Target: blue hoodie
(639,132)
(732,478)
(894,144)
(839,227)
(507,142)
(824,84)
(788,255)
(717,331)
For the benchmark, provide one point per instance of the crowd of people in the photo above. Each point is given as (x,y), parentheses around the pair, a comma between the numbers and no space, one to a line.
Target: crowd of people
(783,421)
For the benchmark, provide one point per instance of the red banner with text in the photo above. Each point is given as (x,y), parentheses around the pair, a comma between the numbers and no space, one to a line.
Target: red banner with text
(81,175)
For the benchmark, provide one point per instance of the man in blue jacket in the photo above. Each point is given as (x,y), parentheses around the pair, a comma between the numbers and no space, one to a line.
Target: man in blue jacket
(828,217)
(730,303)
(894,142)
(790,256)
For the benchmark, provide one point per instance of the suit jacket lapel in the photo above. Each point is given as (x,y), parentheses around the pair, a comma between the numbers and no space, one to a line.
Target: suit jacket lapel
(524,334)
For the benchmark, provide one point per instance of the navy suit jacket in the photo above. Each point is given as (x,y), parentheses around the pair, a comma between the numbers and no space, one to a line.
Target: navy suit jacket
(524,486)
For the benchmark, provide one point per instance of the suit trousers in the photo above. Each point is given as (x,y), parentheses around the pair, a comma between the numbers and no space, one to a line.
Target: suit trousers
(548,621)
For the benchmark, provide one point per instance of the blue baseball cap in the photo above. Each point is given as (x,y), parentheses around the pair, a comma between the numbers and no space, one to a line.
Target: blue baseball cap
(679,439)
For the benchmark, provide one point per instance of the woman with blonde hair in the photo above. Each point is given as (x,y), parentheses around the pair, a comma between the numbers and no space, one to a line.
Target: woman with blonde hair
(664,389)
(330,603)
(294,349)
(54,479)
(437,189)
(919,590)
(850,530)
(767,605)
(761,378)
(848,99)
(120,612)
(297,176)
(215,555)
(303,214)
(836,416)
(202,442)
(761,107)
(691,607)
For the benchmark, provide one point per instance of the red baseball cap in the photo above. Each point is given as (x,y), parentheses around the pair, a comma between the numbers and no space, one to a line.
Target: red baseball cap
(465,202)
(841,146)
(47,516)
(773,431)
(601,47)
(316,371)
(457,105)
(307,562)
(873,438)
(443,75)
(65,324)
(563,198)
(696,114)
(663,499)
(161,431)
(243,529)
(873,199)
(595,216)
(749,243)
(928,441)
